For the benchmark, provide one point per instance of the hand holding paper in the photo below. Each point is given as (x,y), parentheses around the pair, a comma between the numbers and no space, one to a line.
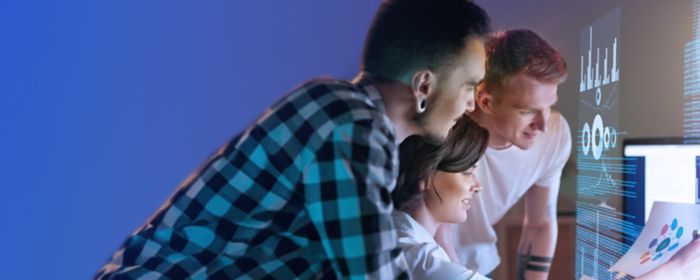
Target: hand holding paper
(671,226)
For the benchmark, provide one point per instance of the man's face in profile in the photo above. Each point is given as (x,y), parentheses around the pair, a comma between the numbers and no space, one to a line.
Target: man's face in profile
(455,89)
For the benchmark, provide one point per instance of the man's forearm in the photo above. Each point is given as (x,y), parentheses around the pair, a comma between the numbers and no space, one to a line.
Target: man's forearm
(536,251)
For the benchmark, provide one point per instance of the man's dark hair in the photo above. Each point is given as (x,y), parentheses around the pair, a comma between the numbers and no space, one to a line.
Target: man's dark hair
(407,35)
(419,157)
(518,51)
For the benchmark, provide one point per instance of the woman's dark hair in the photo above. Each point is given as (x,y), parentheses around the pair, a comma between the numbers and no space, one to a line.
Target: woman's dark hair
(419,157)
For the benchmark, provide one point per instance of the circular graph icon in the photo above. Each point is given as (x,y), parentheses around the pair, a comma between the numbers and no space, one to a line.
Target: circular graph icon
(667,242)
(606,138)
(613,138)
(586,139)
(597,138)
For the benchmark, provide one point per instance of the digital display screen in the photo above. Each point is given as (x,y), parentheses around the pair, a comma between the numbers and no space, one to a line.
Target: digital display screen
(661,172)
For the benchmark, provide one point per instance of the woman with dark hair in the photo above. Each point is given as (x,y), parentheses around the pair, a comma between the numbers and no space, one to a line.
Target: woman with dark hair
(435,184)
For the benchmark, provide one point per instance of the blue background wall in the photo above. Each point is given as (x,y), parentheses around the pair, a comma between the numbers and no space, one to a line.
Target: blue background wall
(106,106)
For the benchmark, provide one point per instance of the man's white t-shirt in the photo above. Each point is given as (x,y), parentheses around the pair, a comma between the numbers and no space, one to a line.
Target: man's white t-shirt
(505,176)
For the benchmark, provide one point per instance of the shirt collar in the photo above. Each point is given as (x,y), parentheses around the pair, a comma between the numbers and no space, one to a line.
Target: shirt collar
(409,226)
(374,96)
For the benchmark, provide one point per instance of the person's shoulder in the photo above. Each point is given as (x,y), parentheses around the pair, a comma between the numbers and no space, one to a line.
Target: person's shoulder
(558,129)
(558,137)
(326,90)
(327,107)
(318,87)
(557,122)
(341,101)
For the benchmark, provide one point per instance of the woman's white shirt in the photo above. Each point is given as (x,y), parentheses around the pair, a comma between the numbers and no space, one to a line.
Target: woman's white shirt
(426,259)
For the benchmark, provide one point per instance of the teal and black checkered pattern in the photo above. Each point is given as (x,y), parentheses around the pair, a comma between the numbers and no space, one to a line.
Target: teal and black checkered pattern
(304,193)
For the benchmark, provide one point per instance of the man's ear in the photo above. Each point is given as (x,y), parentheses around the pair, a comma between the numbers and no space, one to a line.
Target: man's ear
(485,100)
(422,84)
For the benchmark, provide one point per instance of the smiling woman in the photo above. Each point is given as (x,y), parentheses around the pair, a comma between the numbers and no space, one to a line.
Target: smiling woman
(435,183)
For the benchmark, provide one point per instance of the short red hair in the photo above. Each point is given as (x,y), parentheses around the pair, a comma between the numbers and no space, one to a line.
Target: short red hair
(516,51)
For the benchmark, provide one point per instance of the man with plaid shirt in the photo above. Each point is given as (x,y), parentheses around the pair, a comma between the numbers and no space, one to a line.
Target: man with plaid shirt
(305,191)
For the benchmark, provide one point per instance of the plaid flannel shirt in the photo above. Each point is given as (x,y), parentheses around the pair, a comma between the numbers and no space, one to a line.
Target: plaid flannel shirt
(303,193)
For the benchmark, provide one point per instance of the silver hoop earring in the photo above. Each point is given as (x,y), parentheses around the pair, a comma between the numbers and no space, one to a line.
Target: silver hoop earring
(421,105)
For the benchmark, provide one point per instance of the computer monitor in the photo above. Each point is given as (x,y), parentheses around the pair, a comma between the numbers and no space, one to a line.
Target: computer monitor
(659,169)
